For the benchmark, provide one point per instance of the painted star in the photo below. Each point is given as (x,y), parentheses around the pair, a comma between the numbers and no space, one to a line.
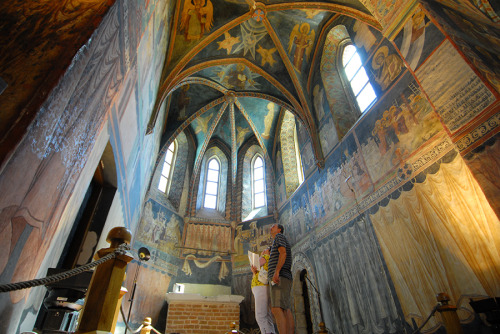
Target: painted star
(228,42)
(249,41)
(267,55)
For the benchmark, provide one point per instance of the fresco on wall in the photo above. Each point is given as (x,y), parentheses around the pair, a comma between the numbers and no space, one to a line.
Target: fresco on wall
(285,219)
(341,110)
(266,125)
(354,284)
(456,91)
(321,107)
(254,236)
(205,244)
(160,229)
(301,220)
(342,181)
(327,135)
(384,67)
(365,38)
(484,162)
(418,38)
(308,161)
(436,248)
(477,38)
(396,127)
(280,191)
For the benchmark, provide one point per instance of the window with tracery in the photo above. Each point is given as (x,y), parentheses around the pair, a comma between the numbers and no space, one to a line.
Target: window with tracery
(259,183)
(358,79)
(212,184)
(167,170)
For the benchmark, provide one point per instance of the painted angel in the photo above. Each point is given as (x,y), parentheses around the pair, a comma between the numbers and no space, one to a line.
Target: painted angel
(302,37)
(196,18)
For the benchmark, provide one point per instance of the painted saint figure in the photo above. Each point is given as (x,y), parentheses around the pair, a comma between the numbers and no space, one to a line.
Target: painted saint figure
(197,16)
(303,38)
(386,66)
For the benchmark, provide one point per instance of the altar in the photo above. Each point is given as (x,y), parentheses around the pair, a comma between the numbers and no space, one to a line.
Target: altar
(192,313)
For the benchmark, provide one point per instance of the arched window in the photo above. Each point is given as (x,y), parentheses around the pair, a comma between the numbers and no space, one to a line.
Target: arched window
(259,183)
(212,185)
(300,167)
(358,79)
(166,172)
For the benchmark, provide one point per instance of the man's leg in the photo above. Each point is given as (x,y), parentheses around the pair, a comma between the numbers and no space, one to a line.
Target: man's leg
(290,325)
(280,317)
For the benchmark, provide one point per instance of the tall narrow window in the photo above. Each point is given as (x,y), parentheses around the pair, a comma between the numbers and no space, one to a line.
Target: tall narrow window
(356,74)
(166,172)
(212,184)
(259,189)
(300,168)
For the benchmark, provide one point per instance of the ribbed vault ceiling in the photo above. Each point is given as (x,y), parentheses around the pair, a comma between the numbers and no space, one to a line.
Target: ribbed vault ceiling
(233,67)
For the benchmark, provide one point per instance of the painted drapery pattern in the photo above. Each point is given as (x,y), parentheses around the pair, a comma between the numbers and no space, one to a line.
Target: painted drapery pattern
(204,238)
(353,283)
(448,241)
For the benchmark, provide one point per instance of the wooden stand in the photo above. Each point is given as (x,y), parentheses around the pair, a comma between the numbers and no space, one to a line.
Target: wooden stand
(103,295)
(449,314)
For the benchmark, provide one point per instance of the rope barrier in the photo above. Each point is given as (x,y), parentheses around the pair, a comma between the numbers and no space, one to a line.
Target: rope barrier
(122,249)
(428,318)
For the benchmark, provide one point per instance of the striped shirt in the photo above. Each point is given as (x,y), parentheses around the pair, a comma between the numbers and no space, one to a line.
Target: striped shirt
(286,270)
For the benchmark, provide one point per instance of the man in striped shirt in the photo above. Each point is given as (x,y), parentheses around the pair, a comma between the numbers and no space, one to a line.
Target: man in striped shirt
(280,278)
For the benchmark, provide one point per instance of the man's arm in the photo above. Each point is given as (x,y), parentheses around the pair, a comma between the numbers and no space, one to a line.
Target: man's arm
(281,262)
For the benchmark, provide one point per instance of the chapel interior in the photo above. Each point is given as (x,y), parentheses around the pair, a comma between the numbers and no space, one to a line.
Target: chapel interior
(368,129)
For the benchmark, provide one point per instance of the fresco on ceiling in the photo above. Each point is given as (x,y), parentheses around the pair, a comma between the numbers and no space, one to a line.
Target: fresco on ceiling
(243,129)
(477,39)
(301,221)
(254,236)
(202,124)
(197,19)
(236,77)
(297,31)
(329,78)
(160,231)
(223,129)
(240,77)
(189,100)
(418,39)
(396,127)
(264,116)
